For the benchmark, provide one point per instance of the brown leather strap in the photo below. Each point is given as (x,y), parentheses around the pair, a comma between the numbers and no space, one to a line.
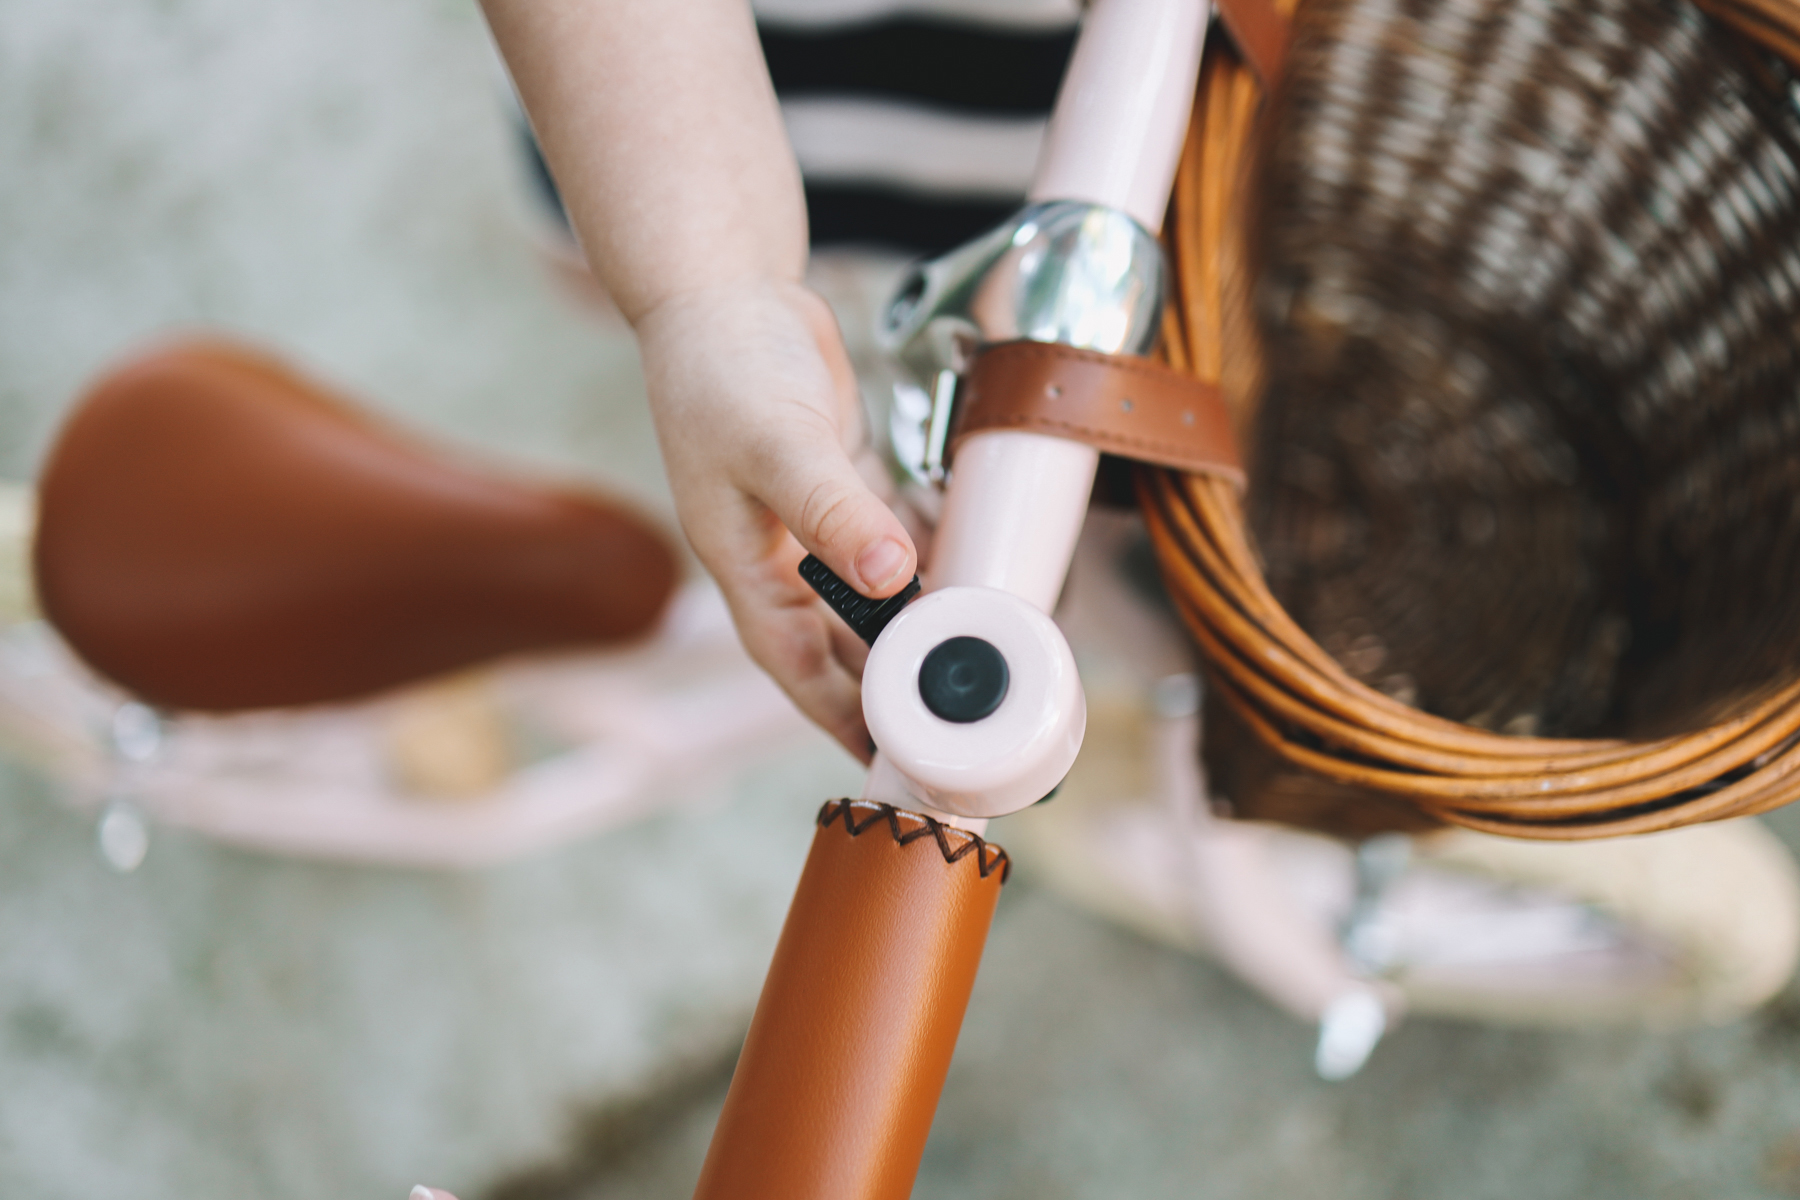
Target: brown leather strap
(846,1056)
(1261,35)
(1132,407)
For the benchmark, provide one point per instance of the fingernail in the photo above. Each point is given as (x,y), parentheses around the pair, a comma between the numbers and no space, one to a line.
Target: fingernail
(879,564)
(422,1192)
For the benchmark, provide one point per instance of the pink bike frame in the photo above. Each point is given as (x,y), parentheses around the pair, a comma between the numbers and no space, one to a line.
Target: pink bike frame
(847,1053)
(1016,502)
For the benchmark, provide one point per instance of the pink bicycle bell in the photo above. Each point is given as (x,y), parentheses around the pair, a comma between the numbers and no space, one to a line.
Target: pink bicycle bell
(972,695)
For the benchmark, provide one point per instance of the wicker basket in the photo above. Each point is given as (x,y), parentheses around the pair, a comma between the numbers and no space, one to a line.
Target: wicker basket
(1499,292)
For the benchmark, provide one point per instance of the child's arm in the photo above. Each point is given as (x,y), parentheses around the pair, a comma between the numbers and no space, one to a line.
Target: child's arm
(661,127)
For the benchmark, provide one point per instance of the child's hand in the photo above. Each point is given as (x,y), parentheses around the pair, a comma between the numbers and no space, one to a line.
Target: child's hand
(661,125)
(757,412)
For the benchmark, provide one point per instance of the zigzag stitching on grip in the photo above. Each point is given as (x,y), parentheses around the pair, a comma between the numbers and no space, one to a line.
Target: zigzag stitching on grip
(932,828)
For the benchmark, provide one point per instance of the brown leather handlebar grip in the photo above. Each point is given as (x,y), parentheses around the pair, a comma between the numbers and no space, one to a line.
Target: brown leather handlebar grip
(846,1056)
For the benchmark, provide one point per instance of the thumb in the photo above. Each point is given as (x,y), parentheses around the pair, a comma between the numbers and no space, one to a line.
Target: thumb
(815,490)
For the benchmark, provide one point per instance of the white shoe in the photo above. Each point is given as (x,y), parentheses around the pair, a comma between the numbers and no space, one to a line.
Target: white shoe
(1695,925)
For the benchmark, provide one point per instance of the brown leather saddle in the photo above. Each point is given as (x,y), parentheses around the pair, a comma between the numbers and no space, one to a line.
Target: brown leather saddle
(217,531)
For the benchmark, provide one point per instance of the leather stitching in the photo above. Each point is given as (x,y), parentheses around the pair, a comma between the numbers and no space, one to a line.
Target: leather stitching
(1122,364)
(1093,436)
(988,857)
(1120,371)
(1112,362)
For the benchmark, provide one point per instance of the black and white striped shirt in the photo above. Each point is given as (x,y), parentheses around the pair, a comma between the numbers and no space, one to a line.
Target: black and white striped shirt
(916,122)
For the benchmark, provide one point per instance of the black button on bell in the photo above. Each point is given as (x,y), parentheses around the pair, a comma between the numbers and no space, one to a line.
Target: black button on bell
(963,679)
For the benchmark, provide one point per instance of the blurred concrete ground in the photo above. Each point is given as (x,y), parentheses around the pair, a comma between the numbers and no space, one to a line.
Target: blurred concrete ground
(336,179)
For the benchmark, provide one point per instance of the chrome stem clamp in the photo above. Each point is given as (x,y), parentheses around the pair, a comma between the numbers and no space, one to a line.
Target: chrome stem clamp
(1064,271)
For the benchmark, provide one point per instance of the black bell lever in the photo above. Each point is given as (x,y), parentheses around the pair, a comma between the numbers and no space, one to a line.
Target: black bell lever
(865,616)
